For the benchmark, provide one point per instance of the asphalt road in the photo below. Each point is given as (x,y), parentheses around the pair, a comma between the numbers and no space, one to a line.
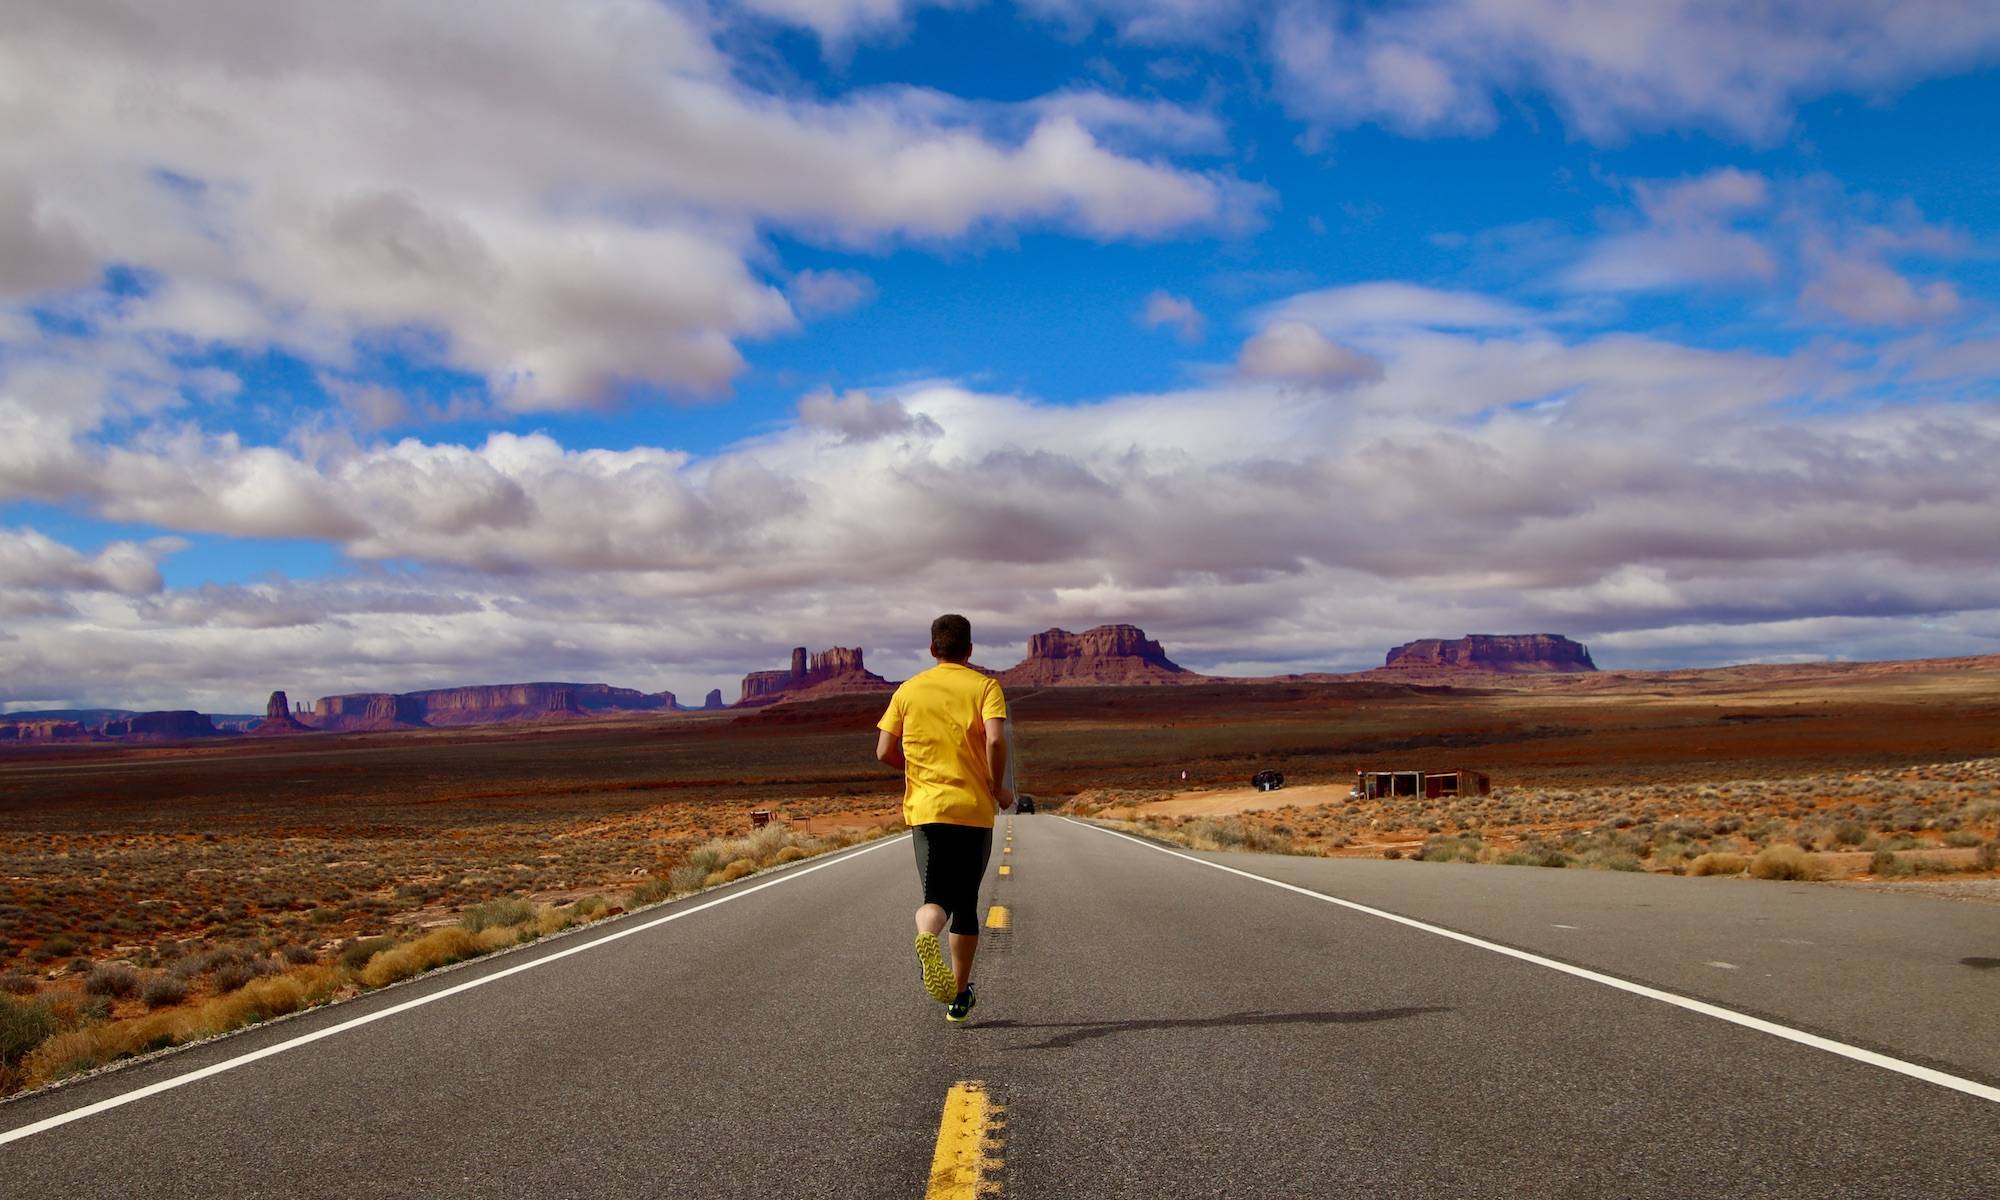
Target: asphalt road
(1152,1026)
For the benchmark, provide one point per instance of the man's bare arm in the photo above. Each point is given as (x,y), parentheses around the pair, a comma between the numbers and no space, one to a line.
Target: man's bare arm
(1000,760)
(889,748)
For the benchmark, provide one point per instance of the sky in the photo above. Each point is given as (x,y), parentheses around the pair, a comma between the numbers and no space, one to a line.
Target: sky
(382,346)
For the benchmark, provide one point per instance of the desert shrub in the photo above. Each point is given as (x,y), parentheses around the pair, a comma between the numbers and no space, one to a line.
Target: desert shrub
(653,889)
(1988,857)
(355,952)
(112,979)
(1449,849)
(1536,854)
(708,858)
(1848,833)
(589,907)
(1883,862)
(1718,863)
(60,945)
(1609,859)
(688,877)
(299,956)
(161,990)
(233,974)
(504,912)
(1962,837)
(789,854)
(23,1026)
(1725,824)
(1392,853)
(1783,861)
(18,983)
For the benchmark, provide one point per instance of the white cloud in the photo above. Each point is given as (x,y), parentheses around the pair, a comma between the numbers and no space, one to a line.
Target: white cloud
(827,293)
(570,200)
(1390,305)
(1298,353)
(859,417)
(33,561)
(1867,291)
(1613,67)
(1163,309)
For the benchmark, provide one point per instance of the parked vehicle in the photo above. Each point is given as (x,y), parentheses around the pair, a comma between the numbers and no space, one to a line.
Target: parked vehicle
(1267,780)
(1024,804)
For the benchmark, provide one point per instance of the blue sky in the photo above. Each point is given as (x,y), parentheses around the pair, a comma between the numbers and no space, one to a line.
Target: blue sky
(394,346)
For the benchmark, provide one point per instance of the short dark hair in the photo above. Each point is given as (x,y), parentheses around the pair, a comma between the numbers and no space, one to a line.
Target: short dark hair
(951,638)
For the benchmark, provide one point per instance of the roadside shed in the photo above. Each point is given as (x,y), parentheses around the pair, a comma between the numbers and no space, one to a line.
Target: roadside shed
(1430,785)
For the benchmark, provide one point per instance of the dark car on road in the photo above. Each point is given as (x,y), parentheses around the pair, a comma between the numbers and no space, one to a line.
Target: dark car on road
(1024,804)
(1267,780)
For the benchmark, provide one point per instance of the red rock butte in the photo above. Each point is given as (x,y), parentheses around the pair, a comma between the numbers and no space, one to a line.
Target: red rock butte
(1107,656)
(833,672)
(278,719)
(1504,653)
(483,705)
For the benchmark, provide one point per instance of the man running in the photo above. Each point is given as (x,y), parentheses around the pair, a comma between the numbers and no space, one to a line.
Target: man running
(947,730)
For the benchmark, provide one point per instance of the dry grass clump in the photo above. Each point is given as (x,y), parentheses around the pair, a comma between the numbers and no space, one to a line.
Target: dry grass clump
(726,860)
(1784,861)
(506,911)
(1718,863)
(435,949)
(84,1045)
(112,979)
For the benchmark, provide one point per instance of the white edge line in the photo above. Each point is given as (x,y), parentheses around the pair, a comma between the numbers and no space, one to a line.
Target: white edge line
(167,1085)
(1928,1075)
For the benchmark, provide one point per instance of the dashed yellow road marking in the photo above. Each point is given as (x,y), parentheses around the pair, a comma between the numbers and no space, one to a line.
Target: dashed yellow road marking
(1006,870)
(968,1145)
(1006,849)
(998,917)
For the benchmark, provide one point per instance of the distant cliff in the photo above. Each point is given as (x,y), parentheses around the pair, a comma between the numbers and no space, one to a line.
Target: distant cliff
(1109,655)
(828,673)
(1507,653)
(44,730)
(161,726)
(484,705)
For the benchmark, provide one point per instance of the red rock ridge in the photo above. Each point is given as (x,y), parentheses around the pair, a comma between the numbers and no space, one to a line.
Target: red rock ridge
(162,726)
(1505,653)
(278,718)
(483,705)
(42,729)
(1107,656)
(829,673)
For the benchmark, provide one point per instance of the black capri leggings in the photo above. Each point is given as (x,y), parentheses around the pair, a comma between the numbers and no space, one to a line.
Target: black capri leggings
(951,860)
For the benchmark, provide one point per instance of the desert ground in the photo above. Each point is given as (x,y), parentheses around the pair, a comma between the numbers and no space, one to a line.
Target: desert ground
(137,883)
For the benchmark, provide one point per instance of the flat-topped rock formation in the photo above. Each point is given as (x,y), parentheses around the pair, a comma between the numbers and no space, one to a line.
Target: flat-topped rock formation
(1505,653)
(169,726)
(829,673)
(44,729)
(1107,656)
(483,705)
(278,719)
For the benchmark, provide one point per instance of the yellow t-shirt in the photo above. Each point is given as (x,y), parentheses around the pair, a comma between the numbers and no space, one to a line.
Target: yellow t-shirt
(941,716)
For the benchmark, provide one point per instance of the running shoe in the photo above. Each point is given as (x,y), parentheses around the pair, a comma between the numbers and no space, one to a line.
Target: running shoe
(961,1007)
(938,979)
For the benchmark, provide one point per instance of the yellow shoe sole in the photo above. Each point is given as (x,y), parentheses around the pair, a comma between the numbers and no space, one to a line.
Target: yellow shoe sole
(938,979)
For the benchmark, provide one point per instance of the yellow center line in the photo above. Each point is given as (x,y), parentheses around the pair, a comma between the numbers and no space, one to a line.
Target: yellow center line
(1006,870)
(997,917)
(968,1145)
(1007,850)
